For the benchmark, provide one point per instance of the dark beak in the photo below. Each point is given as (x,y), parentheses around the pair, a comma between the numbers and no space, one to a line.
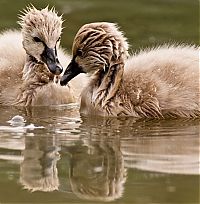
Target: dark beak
(50,58)
(72,70)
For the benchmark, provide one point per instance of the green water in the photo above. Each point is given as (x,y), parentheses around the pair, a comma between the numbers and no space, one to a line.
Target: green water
(145,22)
(74,159)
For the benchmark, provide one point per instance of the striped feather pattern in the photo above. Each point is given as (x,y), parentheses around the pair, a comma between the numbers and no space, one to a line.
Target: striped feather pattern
(156,83)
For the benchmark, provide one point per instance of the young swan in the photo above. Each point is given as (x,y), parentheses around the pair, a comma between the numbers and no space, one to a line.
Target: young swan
(28,74)
(157,83)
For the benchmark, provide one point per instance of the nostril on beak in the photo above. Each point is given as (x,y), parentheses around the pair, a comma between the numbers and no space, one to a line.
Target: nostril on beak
(58,70)
(61,69)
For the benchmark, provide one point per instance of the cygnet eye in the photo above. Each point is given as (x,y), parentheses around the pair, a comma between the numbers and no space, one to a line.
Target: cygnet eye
(79,53)
(36,39)
(59,39)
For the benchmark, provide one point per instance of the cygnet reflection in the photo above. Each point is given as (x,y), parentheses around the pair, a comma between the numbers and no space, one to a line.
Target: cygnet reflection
(38,171)
(97,171)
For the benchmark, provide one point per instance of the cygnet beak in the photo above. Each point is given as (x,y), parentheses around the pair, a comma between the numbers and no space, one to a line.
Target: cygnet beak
(72,70)
(50,58)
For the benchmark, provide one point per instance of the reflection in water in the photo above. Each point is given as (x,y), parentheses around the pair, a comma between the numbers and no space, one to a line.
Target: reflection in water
(101,159)
(160,146)
(96,167)
(168,155)
(97,171)
(38,171)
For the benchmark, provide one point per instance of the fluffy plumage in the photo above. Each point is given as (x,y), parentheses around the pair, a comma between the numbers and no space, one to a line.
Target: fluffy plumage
(44,24)
(156,83)
(29,62)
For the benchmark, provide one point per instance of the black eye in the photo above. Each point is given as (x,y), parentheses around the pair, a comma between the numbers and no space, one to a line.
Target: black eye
(36,39)
(79,53)
(59,39)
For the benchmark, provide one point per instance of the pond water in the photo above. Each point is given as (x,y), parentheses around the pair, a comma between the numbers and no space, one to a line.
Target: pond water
(57,156)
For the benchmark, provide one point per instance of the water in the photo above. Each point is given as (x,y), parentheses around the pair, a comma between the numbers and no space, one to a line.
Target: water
(54,155)
(145,22)
(63,157)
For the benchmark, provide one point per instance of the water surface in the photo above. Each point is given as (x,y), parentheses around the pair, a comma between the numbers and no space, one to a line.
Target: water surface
(65,158)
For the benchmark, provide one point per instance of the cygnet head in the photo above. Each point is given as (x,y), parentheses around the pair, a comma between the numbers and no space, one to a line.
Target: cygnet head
(41,30)
(96,47)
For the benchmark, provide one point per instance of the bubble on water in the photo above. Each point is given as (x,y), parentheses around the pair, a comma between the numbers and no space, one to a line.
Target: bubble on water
(17,120)
(18,124)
